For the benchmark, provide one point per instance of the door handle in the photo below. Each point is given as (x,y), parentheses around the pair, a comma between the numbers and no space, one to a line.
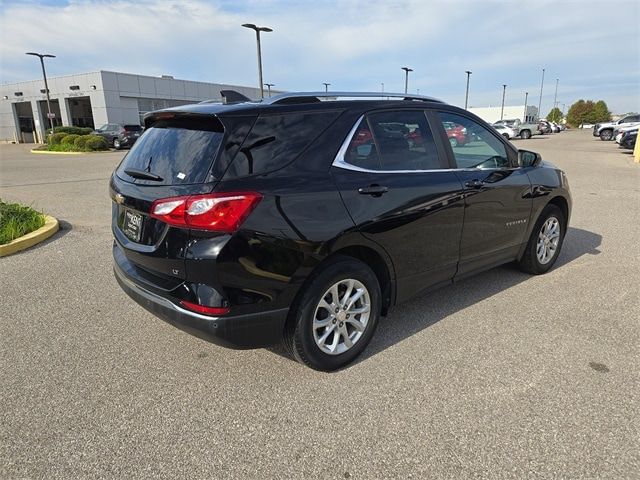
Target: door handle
(373,190)
(474,184)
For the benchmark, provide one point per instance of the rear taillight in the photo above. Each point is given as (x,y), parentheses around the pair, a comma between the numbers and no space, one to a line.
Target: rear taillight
(216,212)
(194,307)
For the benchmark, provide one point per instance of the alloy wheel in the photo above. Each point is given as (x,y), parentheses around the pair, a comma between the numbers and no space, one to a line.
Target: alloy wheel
(341,316)
(548,240)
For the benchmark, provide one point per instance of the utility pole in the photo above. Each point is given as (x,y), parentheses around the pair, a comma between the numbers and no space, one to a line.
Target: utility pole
(540,99)
(42,56)
(326,86)
(258,30)
(382,85)
(555,96)
(269,85)
(504,90)
(525,116)
(466,95)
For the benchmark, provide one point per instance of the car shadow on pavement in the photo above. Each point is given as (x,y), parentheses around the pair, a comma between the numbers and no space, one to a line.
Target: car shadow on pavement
(428,309)
(64,228)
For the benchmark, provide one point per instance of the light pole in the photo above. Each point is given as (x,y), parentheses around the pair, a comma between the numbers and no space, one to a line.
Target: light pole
(555,95)
(525,118)
(466,95)
(326,86)
(540,99)
(504,89)
(382,85)
(42,56)
(406,78)
(258,30)
(269,85)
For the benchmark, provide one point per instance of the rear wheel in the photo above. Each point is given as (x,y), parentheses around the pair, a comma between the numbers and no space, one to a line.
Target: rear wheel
(526,134)
(336,316)
(545,242)
(116,144)
(606,135)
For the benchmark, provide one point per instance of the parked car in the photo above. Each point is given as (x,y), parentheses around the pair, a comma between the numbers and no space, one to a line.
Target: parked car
(524,130)
(555,128)
(119,136)
(629,138)
(544,127)
(507,132)
(456,134)
(249,223)
(605,130)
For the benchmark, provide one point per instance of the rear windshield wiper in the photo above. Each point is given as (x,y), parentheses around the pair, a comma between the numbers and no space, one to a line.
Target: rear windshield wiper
(142,175)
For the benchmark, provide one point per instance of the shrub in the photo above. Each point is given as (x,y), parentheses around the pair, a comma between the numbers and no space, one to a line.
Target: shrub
(69,139)
(81,142)
(56,138)
(96,142)
(73,130)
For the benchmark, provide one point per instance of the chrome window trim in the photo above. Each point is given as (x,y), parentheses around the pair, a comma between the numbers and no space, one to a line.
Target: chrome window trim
(339,161)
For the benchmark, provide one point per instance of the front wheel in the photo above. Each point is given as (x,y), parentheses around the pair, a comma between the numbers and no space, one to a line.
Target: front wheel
(336,316)
(545,242)
(526,134)
(606,135)
(506,136)
(116,144)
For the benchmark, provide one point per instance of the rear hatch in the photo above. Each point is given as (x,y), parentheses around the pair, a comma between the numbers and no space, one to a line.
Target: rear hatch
(172,158)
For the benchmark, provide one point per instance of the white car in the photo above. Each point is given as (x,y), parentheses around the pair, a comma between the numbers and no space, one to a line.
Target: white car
(506,132)
(620,131)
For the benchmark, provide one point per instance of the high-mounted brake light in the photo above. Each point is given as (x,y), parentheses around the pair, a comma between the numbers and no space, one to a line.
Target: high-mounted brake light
(216,212)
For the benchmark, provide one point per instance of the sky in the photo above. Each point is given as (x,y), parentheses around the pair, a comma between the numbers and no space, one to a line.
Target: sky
(354,45)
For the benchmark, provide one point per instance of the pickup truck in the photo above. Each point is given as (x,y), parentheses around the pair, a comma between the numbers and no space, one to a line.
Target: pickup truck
(605,130)
(523,130)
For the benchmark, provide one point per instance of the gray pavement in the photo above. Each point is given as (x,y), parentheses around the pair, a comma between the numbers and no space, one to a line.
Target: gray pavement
(500,376)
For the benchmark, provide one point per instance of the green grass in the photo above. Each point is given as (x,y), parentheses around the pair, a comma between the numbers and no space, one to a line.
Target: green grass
(17,220)
(66,147)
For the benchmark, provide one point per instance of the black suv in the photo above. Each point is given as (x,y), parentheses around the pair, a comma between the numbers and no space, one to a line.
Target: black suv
(307,216)
(119,136)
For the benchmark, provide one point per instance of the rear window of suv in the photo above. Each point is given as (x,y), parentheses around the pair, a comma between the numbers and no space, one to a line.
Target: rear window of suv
(180,150)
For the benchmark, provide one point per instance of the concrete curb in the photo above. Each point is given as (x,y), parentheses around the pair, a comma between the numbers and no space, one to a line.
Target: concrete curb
(47,152)
(50,227)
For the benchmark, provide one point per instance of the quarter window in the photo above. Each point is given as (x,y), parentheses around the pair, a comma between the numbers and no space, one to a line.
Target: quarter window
(473,145)
(395,140)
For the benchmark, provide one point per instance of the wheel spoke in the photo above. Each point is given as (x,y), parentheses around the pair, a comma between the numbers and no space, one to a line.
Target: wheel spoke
(326,334)
(356,324)
(322,323)
(347,294)
(356,296)
(335,296)
(347,341)
(336,340)
(324,304)
(356,311)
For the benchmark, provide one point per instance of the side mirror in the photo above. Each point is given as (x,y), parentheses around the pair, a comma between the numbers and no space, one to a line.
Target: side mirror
(528,159)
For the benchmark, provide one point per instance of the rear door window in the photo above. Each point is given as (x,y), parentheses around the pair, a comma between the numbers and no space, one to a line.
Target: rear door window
(394,140)
(180,150)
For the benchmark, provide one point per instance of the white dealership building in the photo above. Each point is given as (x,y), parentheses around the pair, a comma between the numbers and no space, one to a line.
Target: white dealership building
(492,114)
(93,99)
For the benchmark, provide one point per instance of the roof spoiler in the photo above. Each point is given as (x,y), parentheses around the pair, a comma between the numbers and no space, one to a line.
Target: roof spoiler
(231,96)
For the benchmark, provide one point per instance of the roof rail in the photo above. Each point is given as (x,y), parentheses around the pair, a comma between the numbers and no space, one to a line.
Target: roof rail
(312,97)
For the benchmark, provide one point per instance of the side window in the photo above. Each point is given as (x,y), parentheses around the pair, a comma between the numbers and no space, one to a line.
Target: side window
(394,140)
(276,140)
(473,145)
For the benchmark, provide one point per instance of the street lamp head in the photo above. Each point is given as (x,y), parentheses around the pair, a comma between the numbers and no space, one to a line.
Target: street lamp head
(407,69)
(468,72)
(256,28)
(41,55)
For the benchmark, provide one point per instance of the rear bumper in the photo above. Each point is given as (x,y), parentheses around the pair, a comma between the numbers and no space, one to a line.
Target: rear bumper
(241,331)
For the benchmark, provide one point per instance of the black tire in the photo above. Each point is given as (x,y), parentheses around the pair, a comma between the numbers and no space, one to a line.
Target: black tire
(526,134)
(606,135)
(453,142)
(299,333)
(116,144)
(530,262)
(506,136)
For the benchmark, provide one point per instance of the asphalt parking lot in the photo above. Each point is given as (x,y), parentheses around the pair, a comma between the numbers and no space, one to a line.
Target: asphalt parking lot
(502,375)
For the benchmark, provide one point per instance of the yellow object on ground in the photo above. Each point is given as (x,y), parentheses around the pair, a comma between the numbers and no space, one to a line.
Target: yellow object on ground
(50,227)
(636,152)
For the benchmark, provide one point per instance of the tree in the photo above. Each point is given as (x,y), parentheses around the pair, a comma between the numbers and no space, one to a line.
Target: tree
(600,112)
(555,115)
